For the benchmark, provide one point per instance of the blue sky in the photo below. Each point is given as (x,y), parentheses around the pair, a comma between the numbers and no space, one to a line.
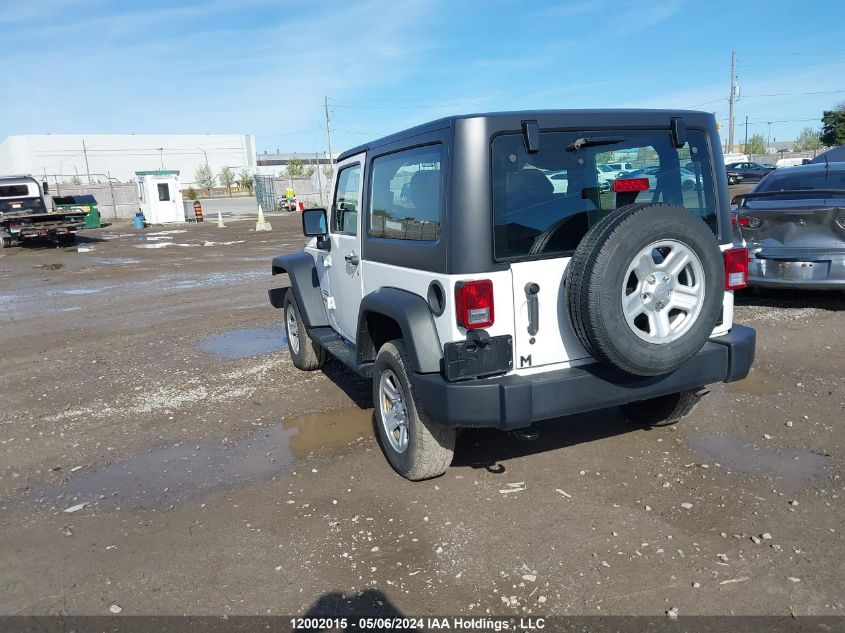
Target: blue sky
(263,67)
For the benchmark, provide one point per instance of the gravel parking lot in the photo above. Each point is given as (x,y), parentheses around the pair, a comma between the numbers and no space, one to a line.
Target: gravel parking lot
(144,378)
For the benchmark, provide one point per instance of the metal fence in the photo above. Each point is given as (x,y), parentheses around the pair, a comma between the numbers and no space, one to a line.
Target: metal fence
(114,200)
(270,191)
(773,158)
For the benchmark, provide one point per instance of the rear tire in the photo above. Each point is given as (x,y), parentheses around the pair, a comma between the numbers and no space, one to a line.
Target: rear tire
(663,410)
(304,352)
(416,447)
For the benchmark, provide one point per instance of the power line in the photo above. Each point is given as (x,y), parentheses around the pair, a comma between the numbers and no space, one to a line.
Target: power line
(797,53)
(778,66)
(698,105)
(291,133)
(795,94)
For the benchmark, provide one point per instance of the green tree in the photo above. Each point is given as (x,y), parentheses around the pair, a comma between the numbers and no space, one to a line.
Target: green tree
(227,178)
(833,126)
(205,178)
(807,140)
(328,170)
(75,180)
(191,193)
(756,145)
(245,180)
(309,171)
(295,167)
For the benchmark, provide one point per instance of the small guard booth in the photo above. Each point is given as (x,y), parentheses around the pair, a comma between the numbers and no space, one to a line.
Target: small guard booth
(160,192)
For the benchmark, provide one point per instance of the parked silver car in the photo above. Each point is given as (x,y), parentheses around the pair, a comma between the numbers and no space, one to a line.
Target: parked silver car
(793,224)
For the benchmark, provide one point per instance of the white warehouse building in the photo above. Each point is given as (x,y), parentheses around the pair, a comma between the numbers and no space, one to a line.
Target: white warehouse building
(62,156)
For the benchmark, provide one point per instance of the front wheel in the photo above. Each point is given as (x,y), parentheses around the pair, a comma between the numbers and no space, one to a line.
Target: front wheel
(663,410)
(416,447)
(304,352)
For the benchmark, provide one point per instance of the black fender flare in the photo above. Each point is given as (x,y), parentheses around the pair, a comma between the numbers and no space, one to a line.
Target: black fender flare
(413,315)
(305,285)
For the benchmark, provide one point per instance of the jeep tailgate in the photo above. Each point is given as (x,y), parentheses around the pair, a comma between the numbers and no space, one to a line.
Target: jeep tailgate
(543,333)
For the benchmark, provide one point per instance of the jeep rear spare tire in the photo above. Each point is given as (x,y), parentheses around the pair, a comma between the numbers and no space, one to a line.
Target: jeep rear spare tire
(645,288)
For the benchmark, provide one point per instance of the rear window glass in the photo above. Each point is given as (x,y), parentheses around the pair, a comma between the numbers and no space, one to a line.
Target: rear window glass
(803,179)
(545,202)
(406,195)
(13,191)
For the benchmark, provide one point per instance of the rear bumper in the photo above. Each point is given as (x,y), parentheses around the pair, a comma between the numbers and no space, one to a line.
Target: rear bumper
(812,274)
(511,402)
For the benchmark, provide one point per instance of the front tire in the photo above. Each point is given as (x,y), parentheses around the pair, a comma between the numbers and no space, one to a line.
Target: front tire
(304,352)
(416,447)
(663,410)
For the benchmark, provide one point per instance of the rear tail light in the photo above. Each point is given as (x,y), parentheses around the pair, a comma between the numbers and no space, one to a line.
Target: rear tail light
(745,221)
(623,185)
(474,303)
(736,268)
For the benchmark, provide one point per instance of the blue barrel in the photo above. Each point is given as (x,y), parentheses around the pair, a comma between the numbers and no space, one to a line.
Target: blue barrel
(138,222)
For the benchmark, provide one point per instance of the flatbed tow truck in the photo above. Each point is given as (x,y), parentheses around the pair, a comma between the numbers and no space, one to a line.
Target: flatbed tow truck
(24,214)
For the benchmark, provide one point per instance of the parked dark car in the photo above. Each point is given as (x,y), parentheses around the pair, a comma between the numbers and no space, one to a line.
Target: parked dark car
(750,172)
(793,224)
(833,155)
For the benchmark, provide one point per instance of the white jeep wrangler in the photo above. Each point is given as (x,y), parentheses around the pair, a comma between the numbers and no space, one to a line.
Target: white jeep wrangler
(451,270)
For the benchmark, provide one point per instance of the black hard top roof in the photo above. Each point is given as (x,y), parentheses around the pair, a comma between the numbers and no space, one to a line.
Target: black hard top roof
(627,117)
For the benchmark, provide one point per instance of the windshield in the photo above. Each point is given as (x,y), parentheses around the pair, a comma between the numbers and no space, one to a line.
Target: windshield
(536,216)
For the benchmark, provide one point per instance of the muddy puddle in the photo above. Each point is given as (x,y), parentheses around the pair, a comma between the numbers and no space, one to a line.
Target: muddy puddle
(20,304)
(116,260)
(84,291)
(244,343)
(217,279)
(176,472)
(154,245)
(741,455)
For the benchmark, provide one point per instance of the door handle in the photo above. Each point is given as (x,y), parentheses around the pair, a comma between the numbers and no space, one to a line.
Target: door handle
(531,290)
(352,258)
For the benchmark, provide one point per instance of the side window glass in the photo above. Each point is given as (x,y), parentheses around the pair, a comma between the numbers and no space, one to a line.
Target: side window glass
(405,198)
(347,200)
(163,192)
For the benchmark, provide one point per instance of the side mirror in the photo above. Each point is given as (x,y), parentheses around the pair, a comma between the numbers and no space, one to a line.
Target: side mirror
(314,223)
(45,188)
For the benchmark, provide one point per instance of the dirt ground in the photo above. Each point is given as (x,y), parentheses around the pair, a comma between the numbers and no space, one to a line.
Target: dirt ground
(145,376)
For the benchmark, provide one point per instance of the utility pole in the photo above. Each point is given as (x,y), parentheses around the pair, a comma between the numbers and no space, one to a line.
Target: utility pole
(731,99)
(769,137)
(319,176)
(87,169)
(746,133)
(328,130)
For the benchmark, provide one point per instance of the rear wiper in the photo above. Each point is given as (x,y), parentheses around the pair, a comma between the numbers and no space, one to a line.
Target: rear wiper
(593,141)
